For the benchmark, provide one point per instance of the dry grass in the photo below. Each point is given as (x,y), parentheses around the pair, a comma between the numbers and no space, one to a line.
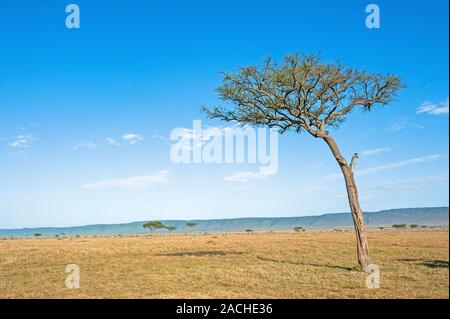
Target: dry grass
(414,264)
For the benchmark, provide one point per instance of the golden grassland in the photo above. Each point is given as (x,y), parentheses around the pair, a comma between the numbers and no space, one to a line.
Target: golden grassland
(312,264)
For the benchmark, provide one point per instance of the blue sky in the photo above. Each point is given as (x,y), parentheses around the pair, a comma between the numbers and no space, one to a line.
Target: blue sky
(135,70)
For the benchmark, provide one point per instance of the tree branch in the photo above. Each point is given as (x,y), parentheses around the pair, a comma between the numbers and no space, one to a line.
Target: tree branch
(353,161)
(302,93)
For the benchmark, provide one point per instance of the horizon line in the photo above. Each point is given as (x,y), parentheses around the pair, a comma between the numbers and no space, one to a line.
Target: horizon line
(210,219)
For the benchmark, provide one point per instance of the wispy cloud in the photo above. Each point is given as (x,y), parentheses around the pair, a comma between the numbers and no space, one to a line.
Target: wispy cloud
(189,141)
(385,167)
(402,124)
(389,166)
(415,183)
(86,145)
(375,151)
(131,183)
(398,125)
(131,138)
(434,109)
(22,141)
(245,177)
(112,141)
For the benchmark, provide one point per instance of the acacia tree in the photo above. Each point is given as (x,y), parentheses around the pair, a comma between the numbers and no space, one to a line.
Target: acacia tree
(170,228)
(191,224)
(301,93)
(153,225)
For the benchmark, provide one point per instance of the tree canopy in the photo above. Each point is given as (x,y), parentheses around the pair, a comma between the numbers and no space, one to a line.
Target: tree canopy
(301,93)
(153,225)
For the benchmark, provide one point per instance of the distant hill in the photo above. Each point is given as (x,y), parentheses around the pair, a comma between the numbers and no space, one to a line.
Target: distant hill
(429,216)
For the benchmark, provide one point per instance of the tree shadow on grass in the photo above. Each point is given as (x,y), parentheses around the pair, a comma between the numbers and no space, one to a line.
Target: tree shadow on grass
(306,264)
(208,253)
(427,263)
(436,263)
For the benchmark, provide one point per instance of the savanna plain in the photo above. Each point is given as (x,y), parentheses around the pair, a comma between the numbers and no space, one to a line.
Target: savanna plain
(311,264)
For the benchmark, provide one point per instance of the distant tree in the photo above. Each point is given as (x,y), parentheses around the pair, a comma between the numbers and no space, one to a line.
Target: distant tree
(153,225)
(249,230)
(413,226)
(170,228)
(37,235)
(298,228)
(191,224)
(399,226)
(381,228)
(302,93)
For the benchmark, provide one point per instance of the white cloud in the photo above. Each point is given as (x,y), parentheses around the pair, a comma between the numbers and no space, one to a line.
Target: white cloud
(132,183)
(434,109)
(385,167)
(22,141)
(375,151)
(399,125)
(131,138)
(245,177)
(389,166)
(85,144)
(188,141)
(112,141)
(415,183)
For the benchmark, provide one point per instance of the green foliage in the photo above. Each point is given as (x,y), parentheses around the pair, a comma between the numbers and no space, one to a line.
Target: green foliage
(170,228)
(301,93)
(191,224)
(154,225)
(413,226)
(37,235)
(398,226)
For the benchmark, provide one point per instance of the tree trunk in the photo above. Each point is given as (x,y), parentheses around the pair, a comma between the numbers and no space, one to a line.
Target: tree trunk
(352,193)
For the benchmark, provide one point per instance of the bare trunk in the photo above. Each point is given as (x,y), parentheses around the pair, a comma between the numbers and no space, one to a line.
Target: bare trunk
(355,208)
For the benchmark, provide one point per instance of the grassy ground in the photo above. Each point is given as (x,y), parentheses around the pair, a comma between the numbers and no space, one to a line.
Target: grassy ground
(413,264)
